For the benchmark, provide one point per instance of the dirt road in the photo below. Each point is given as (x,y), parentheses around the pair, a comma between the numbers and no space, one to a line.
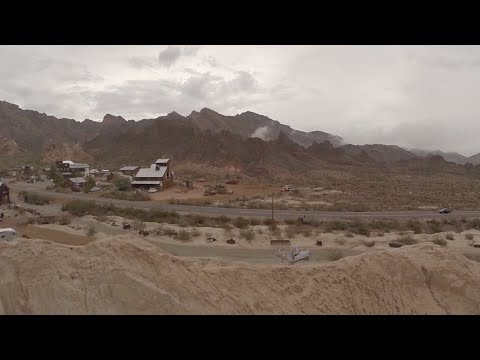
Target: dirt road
(261,213)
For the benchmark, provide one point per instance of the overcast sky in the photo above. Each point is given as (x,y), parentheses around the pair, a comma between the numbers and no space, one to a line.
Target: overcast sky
(412,96)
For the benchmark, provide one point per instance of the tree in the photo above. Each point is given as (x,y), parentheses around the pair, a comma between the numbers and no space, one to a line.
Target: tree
(122,183)
(90,184)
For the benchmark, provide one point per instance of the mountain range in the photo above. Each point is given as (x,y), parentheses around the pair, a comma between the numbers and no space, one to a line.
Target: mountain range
(247,142)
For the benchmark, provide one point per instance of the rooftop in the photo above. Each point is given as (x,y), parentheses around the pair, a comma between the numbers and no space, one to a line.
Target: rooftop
(129,168)
(162,161)
(151,172)
(145,182)
(78,180)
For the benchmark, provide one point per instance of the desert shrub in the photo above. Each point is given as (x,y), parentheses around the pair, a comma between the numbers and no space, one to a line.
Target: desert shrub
(35,199)
(64,219)
(91,230)
(435,226)
(439,241)
(268,222)
(223,219)
(368,243)
(254,222)
(138,225)
(335,255)
(241,222)
(80,208)
(291,231)
(169,232)
(124,195)
(349,234)
(407,240)
(415,226)
(101,218)
(469,236)
(195,232)
(274,230)
(474,224)
(307,232)
(183,235)
(260,232)
(340,241)
(330,226)
(247,234)
(122,183)
(449,237)
(362,230)
(379,233)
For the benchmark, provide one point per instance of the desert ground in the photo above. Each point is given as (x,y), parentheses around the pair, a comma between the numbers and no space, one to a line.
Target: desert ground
(92,265)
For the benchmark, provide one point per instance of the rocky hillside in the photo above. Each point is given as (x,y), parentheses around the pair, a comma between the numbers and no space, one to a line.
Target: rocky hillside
(248,142)
(124,275)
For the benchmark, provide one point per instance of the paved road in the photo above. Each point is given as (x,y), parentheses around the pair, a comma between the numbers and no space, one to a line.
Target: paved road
(262,213)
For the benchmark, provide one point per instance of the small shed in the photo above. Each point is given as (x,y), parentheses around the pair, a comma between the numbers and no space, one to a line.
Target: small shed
(78,182)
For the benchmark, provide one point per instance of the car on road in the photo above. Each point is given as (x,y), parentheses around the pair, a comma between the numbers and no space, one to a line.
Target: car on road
(152,190)
(95,188)
(444,211)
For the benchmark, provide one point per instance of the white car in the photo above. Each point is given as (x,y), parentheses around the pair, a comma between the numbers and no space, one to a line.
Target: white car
(152,190)
(95,188)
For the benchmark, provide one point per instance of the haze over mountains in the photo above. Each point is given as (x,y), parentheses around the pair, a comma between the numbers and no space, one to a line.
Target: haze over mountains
(249,142)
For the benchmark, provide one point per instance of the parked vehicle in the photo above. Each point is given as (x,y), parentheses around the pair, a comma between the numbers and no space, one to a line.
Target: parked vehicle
(444,211)
(95,188)
(152,190)
(7,234)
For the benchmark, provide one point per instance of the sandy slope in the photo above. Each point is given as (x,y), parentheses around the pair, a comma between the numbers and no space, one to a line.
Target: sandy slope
(125,275)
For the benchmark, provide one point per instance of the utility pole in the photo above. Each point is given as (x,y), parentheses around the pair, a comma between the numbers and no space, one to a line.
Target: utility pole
(273,220)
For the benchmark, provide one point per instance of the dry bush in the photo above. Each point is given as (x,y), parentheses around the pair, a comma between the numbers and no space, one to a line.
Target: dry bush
(335,255)
(291,231)
(349,234)
(254,222)
(195,232)
(368,243)
(241,222)
(183,235)
(307,232)
(380,234)
(169,232)
(407,240)
(435,227)
(275,231)
(340,241)
(247,234)
(469,236)
(449,237)
(439,241)
(260,232)
(138,225)
(91,230)
(64,219)
(415,226)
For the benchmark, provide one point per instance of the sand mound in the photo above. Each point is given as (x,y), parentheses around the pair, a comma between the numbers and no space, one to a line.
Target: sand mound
(120,275)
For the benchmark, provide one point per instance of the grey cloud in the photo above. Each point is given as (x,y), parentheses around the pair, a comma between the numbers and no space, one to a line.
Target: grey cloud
(173,53)
(139,62)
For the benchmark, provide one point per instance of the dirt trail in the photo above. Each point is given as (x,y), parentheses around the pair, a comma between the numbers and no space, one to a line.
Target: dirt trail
(126,275)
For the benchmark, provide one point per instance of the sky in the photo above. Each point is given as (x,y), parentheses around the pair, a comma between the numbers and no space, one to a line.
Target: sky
(413,96)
